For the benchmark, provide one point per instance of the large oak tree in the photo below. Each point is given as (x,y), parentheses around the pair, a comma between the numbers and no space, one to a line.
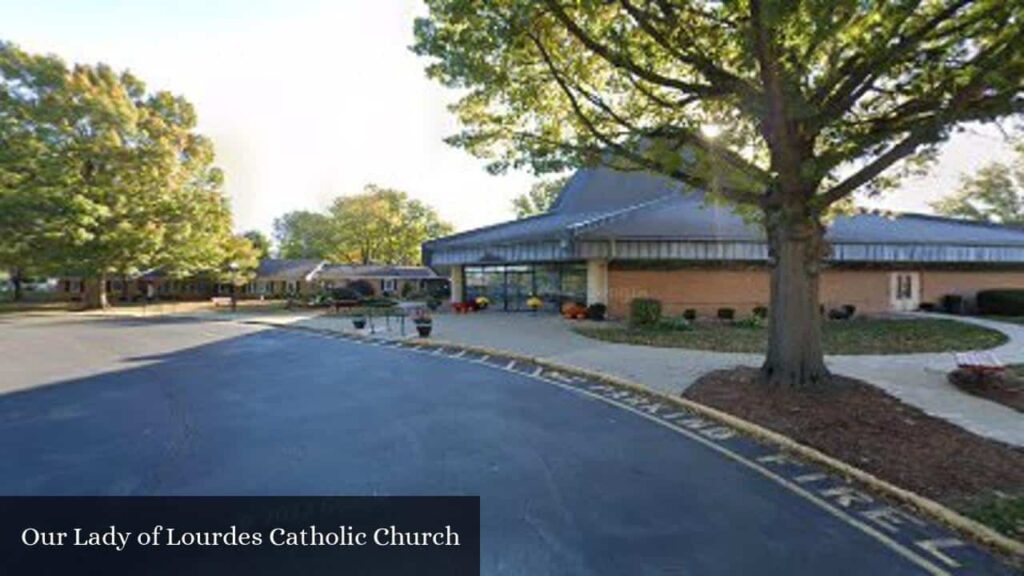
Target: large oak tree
(100,177)
(783,107)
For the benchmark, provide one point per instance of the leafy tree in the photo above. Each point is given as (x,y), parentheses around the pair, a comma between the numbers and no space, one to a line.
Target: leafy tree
(382,226)
(539,199)
(782,107)
(101,176)
(303,234)
(260,241)
(239,259)
(995,194)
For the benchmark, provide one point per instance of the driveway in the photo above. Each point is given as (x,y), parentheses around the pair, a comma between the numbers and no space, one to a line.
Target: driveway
(570,482)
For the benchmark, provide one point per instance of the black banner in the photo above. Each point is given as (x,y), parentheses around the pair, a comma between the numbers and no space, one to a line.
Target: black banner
(240,535)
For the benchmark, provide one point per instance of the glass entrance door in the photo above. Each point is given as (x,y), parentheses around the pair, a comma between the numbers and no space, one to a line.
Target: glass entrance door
(518,288)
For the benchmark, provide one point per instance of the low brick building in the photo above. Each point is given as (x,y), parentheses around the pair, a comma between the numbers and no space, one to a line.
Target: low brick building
(612,236)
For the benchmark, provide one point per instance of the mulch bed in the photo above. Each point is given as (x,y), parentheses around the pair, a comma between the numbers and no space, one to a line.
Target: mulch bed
(1007,390)
(863,426)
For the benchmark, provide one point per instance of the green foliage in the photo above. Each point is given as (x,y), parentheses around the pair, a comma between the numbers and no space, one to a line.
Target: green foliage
(377,226)
(539,199)
(824,96)
(644,311)
(752,322)
(239,260)
(995,194)
(382,226)
(675,324)
(1006,302)
(100,177)
(260,242)
(1002,512)
(303,234)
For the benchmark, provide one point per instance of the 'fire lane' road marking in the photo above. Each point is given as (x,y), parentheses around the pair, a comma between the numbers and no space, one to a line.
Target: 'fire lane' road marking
(894,528)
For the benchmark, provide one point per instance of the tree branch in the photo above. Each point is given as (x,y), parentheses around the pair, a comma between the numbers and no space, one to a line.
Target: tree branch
(620,60)
(739,196)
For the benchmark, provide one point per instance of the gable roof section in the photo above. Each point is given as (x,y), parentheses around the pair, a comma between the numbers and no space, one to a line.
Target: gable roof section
(288,269)
(347,271)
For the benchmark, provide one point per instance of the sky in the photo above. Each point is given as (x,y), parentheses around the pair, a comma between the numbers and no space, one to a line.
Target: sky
(307,100)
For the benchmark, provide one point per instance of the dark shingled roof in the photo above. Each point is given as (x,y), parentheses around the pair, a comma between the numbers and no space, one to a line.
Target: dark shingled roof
(601,203)
(281,268)
(345,271)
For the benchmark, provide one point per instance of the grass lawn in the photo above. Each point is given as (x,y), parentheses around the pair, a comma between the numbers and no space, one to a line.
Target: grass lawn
(1003,513)
(857,336)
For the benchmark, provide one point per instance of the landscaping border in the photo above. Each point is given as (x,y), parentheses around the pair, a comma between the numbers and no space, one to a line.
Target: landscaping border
(925,506)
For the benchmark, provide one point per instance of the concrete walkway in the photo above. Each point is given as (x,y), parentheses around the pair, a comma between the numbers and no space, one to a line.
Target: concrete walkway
(917,379)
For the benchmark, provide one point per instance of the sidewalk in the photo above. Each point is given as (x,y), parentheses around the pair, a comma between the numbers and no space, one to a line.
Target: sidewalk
(917,379)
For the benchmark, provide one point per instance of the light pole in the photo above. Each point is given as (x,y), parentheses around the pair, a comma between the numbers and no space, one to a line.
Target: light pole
(233,267)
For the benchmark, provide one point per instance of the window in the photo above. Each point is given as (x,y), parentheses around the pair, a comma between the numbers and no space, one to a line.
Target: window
(388,285)
(509,287)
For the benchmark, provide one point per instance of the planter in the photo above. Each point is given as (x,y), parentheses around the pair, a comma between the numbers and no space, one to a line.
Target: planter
(424,329)
(359,323)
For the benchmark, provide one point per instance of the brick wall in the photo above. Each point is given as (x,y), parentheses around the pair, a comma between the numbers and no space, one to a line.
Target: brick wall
(936,284)
(706,290)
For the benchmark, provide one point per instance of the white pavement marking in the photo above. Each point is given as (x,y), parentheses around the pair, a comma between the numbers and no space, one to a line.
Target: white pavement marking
(932,546)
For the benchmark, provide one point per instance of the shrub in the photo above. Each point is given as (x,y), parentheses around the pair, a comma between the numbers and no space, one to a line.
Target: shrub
(644,311)
(844,312)
(954,303)
(754,322)
(927,307)
(760,312)
(378,302)
(675,324)
(362,287)
(690,314)
(596,311)
(1006,302)
(343,294)
(726,313)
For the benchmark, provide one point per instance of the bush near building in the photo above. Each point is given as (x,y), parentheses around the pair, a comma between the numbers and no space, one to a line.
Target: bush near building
(1005,302)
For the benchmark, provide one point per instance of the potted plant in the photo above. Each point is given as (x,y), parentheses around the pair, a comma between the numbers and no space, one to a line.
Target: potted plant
(424,323)
(534,303)
(359,321)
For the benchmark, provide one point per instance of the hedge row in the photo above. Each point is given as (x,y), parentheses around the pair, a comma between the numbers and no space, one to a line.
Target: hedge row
(1004,302)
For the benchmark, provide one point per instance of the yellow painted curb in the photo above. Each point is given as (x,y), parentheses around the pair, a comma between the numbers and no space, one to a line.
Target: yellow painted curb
(925,506)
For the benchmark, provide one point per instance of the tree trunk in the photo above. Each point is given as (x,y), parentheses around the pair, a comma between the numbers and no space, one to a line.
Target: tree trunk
(795,355)
(96,293)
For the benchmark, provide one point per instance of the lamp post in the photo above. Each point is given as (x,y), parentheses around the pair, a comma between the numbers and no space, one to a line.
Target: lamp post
(233,267)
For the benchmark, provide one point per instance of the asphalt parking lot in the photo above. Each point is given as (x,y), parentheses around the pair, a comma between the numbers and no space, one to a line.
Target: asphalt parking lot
(569,484)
